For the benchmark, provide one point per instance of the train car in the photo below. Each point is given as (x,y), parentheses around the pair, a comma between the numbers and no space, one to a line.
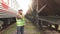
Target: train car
(7,15)
(45,13)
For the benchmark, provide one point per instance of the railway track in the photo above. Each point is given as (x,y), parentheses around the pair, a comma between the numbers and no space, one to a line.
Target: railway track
(49,31)
(6,28)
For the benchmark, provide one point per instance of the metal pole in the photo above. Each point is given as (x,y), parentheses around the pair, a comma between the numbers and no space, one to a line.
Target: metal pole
(37,5)
(8,2)
(11,3)
(37,14)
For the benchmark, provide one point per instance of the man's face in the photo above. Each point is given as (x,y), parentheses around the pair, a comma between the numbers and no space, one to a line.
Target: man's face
(20,12)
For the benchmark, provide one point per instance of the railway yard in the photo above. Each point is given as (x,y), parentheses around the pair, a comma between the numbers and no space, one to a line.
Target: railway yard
(29,29)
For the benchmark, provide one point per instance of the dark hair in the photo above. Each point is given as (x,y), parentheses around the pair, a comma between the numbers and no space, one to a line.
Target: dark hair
(20,10)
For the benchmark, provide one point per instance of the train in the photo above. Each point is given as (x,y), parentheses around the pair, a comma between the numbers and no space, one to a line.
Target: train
(45,13)
(7,15)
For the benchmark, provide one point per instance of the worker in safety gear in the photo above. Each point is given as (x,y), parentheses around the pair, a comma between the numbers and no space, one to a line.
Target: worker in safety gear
(20,21)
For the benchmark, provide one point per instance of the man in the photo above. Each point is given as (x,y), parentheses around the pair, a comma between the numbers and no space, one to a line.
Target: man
(20,21)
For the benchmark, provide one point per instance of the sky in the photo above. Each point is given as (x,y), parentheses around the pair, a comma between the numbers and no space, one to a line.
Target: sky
(24,4)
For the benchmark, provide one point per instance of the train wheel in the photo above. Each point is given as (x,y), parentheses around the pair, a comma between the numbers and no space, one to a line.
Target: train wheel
(9,22)
(59,28)
(1,23)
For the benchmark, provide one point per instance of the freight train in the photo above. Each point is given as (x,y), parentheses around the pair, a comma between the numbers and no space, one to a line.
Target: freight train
(45,13)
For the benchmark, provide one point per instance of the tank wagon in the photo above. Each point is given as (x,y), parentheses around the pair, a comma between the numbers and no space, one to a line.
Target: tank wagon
(45,13)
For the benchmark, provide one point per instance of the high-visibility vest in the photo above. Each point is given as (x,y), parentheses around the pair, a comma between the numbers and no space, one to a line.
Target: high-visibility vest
(20,22)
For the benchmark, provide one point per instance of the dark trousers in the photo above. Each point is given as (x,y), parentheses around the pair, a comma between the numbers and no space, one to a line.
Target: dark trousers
(20,29)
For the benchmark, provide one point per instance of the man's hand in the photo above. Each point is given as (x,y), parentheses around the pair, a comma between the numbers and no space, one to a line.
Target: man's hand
(19,16)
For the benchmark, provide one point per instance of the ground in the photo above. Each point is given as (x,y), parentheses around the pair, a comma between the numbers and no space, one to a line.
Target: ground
(29,29)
